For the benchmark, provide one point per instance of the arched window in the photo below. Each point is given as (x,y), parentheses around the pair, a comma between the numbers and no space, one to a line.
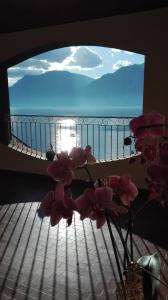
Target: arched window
(75,96)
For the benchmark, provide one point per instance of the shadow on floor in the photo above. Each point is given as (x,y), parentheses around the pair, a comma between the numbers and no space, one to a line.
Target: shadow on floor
(151,223)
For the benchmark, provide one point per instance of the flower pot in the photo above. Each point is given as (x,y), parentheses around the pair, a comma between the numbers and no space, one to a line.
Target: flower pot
(50,154)
(133,284)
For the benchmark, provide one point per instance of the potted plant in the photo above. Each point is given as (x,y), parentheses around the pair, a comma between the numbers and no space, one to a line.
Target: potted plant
(50,154)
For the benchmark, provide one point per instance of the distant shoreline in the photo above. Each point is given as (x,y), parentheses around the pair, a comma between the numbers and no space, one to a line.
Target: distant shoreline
(115,111)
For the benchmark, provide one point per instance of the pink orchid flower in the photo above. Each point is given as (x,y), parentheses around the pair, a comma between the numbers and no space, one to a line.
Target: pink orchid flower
(94,199)
(163,153)
(158,187)
(150,152)
(104,201)
(152,118)
(62,169)
(93,203)
(98,216)
(84,203)
(104,197)
(62,154)
(123,187)
(57,205)
(46,204)
(78,156)
(159,174)
(149,147)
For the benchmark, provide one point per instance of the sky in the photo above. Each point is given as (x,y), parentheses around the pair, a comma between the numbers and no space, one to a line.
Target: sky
(92,61)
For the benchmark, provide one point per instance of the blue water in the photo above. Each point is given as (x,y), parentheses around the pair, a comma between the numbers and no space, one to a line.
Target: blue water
(114,111)
(106,136)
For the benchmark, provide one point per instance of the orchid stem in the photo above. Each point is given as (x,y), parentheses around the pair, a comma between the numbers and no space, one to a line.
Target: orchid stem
(125,242)
(115,253)
(126,256)
(88,172)
(126,252)
(129,234)
(131,239)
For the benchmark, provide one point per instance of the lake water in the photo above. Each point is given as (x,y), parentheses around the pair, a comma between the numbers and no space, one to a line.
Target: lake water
(104,134)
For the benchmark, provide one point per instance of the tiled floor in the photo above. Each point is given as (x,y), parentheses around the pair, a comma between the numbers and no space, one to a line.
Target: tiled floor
(38,261)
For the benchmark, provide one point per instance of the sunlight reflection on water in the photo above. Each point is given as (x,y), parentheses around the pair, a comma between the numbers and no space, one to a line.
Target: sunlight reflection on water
(106,140)
(66,137)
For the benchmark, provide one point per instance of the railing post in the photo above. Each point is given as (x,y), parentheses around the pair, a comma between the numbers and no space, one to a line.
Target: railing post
(5,126)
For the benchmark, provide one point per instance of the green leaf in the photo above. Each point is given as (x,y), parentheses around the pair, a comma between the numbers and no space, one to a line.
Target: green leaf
(150,263)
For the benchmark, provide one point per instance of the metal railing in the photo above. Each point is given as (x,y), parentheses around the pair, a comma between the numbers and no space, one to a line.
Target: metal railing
(36,134)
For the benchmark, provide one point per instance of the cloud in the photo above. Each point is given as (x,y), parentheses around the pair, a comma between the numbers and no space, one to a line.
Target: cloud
(13,80)
(128,52)
(57,55)
(121,63)
(116,51)
(84,57)
(68,59)
(30,66)
(37,63)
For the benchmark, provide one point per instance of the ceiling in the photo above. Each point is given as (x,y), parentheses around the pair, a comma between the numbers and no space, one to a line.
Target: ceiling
(18,15)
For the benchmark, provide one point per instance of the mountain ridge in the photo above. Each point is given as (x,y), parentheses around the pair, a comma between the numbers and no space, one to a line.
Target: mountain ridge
(66,89)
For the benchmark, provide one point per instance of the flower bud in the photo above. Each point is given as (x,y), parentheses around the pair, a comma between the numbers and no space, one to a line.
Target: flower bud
(127,141)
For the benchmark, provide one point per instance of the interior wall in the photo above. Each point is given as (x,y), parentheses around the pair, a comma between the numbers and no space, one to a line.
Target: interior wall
(20,162)
(144,32)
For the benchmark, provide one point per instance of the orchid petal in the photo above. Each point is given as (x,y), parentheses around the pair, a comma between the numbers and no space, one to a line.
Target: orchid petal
(99,216)
(46,204)
(84,202)
(104,196)
(59,191)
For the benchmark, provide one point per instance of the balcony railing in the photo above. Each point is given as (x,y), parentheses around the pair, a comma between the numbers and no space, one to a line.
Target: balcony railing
(35,134)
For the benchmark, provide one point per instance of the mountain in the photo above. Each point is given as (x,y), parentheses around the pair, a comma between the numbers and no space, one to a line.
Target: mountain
(125,80)
(64,89)
(48,87)
(125,86)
